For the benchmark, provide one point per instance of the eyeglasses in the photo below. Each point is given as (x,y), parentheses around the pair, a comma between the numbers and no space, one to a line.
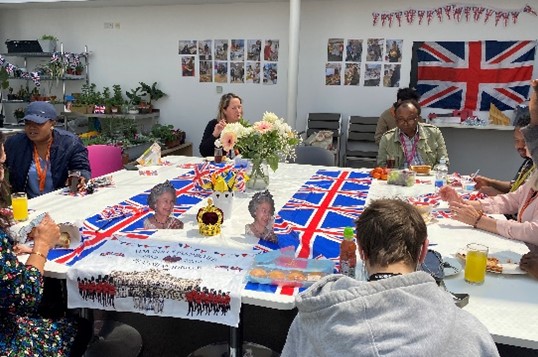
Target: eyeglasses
(407,120)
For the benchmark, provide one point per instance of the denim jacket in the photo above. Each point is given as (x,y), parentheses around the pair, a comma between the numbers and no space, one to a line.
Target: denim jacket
(66,153)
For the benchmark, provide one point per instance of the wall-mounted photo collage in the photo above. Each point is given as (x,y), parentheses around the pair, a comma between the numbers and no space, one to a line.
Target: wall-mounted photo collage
(236,61)
(374,62)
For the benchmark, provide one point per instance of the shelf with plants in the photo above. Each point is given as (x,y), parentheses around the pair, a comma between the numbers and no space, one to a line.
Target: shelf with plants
(46,80)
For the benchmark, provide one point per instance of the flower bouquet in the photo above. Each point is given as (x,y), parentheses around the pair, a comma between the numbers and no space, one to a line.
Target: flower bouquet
(266,142)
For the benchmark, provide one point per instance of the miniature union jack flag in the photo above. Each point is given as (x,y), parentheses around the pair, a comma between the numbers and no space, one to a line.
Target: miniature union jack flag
(472,75)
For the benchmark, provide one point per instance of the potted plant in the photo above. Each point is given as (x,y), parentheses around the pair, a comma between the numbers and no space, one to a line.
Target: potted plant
(117,99)
(79,68)
(152,93)
(134,100)
(48,43)
(167,135)
(18,113)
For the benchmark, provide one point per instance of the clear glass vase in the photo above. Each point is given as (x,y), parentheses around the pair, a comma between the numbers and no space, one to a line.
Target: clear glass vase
(258,175)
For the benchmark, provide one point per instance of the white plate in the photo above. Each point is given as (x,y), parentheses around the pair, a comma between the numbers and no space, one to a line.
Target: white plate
(509,261)
(454,266)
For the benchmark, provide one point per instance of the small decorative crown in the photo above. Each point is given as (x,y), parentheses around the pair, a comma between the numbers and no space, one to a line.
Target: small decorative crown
(209,219)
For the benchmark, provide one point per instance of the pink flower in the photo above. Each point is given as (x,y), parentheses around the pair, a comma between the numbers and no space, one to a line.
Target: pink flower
(263,126)
(228,140)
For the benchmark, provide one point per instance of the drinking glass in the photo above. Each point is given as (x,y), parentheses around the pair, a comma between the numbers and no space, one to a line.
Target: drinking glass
(391,162)
(475,263)
(19,203)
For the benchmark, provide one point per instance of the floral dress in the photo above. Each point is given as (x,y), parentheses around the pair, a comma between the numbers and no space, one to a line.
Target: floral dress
(22,331)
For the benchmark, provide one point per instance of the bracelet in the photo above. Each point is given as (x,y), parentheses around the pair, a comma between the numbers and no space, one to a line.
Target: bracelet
(478,219)
(40,254)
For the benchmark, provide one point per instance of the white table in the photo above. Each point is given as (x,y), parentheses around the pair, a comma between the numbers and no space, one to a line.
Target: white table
(506,305)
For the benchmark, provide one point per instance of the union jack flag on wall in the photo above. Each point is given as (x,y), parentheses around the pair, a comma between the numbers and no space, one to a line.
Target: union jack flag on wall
(472,75)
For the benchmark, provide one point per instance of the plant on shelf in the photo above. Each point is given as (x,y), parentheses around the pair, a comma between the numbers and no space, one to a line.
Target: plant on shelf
(167,135)
(152,93)
(48,43)
(79,68)
(134,100)
(18,113)
(117,99)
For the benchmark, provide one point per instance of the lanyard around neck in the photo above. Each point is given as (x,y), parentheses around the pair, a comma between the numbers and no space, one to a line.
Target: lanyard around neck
(42,172)
(530,198)
(409,158)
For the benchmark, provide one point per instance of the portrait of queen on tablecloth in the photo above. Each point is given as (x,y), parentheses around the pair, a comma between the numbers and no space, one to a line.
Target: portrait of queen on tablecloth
(161,200)
(262,209)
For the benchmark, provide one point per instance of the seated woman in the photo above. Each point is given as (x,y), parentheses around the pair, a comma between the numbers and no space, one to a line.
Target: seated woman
(23,331)
(40,159)
(230,111)
(162,199)
(398,311)
(522,202)
(262,209)
(411,142)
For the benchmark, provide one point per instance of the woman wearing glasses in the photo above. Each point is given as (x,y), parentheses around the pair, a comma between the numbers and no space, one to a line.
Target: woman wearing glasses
(230,111)
(411,142)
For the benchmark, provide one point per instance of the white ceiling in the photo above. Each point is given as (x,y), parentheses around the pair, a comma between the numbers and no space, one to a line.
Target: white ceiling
(122,3)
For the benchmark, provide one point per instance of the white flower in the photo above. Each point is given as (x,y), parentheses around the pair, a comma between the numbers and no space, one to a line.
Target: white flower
(270,117)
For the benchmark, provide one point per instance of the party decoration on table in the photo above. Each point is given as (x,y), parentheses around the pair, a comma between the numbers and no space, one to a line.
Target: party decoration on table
(497,117)
(462,114)
(209,219)
(227,180)
(452,12)
(148,172)
(267,141)
(262,208)
(150,157)
(428,199)
(185,280)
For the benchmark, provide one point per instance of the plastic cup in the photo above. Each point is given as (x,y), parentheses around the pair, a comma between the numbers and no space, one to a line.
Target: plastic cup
(475,263)
(19,203)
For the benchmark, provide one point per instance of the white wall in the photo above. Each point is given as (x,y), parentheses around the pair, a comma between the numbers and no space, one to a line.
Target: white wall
(145,49)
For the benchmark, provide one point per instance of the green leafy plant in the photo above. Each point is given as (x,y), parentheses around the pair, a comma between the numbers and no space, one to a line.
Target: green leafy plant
(18,113)
(166,133)
(49,37)
(117,98)
(152,93)
(4,78)
(134,96)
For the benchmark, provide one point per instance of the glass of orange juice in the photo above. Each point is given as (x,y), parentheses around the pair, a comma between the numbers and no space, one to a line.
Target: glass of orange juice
(19,203)
(475,263)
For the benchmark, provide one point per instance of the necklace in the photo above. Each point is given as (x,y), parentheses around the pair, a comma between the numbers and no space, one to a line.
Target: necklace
(161,223)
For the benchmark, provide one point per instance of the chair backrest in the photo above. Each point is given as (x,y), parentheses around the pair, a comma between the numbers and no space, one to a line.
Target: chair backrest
(324,121)
(314,155)
(104,159)
(361,128)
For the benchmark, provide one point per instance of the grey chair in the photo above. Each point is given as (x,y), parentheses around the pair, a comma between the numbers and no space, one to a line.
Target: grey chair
(313,155)
(115,339)
(327,121)
(361,149)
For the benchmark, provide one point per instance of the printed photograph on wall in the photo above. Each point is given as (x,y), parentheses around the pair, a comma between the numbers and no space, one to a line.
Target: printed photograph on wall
(221,72)
(352,76)
(332,74)
(253,72)
(187,47)
(237,72)
(335,49)
(391,75)
(221,50)
(372,75)
(187,66)
(237,50)
(254,48)
(353,50)
(374,49)
(270,73)
(270,50)
(393,51)
(204,50)
(206,71)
